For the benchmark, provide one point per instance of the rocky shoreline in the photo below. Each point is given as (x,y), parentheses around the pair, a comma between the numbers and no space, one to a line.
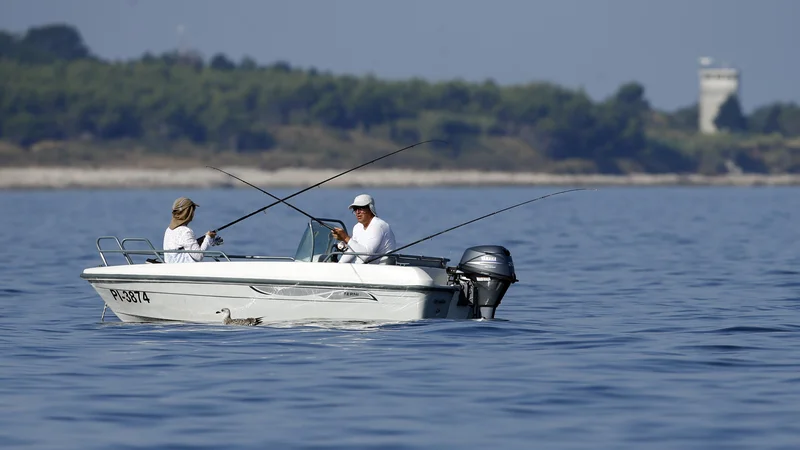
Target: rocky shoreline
(116,178)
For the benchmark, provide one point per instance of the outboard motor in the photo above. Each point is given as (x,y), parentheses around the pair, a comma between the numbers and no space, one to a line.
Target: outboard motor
(485,274)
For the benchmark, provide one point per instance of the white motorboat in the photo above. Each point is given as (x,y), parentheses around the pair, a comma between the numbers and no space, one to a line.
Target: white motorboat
(310,286)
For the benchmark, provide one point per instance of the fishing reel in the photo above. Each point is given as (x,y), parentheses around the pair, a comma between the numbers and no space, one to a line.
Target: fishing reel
(216,240)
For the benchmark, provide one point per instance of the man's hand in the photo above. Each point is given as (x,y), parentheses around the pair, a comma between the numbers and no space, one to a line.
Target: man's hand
(340,234)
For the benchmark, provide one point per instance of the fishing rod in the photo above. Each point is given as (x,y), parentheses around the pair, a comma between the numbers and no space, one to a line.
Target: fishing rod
(322,182)
(474,220)
(279,200)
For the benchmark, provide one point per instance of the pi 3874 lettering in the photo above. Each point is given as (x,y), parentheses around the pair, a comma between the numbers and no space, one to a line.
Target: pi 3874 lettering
(130,296)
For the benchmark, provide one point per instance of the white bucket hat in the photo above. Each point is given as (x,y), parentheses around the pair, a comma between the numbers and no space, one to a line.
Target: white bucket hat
(364,200)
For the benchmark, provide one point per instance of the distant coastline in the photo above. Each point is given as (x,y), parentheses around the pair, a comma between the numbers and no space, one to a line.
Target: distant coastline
(20,178)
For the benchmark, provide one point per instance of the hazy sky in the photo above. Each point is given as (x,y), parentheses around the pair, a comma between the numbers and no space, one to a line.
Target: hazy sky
(596,44)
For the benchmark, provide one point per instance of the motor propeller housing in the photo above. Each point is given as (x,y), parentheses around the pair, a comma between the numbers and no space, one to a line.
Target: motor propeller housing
(485,273)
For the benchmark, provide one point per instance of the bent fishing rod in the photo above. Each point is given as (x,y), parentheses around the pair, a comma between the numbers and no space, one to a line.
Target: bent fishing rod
(320,183)
(474,220)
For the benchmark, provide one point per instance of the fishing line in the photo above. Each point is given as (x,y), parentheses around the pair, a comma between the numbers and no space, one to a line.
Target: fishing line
(279,200)
(475,220)
(319,184)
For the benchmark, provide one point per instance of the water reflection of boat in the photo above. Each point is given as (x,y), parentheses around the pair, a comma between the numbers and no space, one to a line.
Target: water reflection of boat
(308,286)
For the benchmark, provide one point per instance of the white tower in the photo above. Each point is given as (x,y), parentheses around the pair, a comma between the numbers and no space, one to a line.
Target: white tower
(180,30)
(717,83)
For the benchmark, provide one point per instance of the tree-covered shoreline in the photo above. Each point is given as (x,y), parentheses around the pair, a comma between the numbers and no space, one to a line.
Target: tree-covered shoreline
(61,105)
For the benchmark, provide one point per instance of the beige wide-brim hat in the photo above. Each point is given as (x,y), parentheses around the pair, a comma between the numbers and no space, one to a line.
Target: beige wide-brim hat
(182,212)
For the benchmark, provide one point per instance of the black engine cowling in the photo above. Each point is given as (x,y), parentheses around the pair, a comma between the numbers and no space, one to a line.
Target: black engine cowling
(485,273)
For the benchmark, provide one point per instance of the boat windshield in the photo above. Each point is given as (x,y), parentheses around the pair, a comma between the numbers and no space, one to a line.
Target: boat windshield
(317,241)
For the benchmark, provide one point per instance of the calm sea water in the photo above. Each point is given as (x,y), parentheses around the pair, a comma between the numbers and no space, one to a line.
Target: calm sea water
(659,318)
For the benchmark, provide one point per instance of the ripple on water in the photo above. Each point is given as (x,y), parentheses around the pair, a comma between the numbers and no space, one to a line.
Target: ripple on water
(658,318)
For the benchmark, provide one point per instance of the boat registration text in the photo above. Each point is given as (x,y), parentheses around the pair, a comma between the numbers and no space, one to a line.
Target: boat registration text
(130,296)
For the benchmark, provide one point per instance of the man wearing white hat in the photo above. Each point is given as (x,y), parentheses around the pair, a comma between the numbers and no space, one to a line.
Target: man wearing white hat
(371,234)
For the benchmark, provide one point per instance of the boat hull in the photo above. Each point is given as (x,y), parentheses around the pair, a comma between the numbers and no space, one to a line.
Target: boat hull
(276,291)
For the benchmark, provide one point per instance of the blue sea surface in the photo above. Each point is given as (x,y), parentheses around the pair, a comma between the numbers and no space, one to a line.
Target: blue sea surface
(658,318)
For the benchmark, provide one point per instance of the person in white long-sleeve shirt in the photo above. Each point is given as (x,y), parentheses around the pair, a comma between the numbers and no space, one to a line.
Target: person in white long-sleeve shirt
(179,236)
(370,235)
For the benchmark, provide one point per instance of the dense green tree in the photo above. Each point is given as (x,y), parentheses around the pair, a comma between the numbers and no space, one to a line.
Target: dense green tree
(772,121)
(53,89)
(790,119)
(222,62)
(730,117)
(248,63)
(60,40)
(458,133)
(8,46)
(685,118)
(781,118)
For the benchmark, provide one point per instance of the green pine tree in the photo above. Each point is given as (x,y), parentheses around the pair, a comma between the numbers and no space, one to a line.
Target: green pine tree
(730,116)
(772,123)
